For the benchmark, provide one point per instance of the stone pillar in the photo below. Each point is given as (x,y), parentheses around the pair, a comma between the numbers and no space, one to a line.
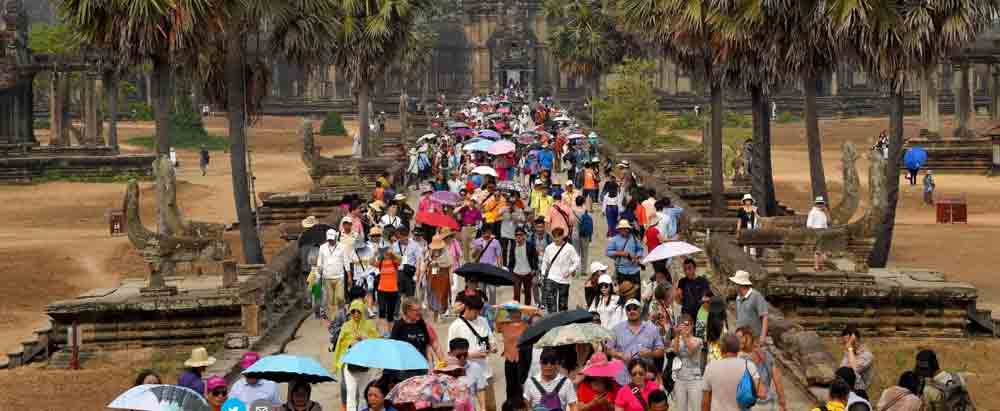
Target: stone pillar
(835,83)
(57,110)
(90,132)
(995,93)
(995,146)
(963,106)
(930,114)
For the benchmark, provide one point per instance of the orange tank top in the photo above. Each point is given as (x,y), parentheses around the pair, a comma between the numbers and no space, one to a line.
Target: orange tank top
(387,276)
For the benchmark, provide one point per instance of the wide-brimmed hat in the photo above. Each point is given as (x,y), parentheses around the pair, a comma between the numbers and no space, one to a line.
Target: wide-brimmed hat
(633,301)
(248,359)
(741,277)
(331,234)
(746,197)
(598,366)
(820,200)
(605,279)
(399,197)
(199,358)
(597,266)
(309,221)
(377,205)
(623,224)
(437,243)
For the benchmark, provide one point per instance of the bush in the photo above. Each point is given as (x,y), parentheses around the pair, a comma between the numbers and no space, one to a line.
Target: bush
(140,111)
(186,131)
(42,124)
(627,115)
(333,125)
(734,119)
(686,120)
(787,117)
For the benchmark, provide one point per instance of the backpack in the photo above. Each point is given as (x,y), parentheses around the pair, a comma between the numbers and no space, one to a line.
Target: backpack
(550,400)
(746,396)
(586,225)
(955,393)
(668,372)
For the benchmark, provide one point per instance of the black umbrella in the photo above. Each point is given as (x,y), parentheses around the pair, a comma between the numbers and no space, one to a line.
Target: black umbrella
(314,235)
(486,274)
(532,334)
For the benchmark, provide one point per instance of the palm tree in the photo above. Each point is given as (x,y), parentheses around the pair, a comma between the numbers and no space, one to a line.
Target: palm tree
(415,59)
(133,32)
(691,32)
(810,52)
(370,37)
(239,82)
(585,39)
(892,40)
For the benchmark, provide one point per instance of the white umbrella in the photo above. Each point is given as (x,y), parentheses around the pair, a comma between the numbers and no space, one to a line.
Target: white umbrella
(670,249)
(485,170)
(562,118)
(427,136)
(156,397)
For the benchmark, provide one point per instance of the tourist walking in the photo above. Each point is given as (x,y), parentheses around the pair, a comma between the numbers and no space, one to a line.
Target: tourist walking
(855,402)
(583,233)
(751,307)
(522,260)
(634,338)
(942,390)
(354,330)
(474,328)
(203,159)
(196,365)
(559,262)
(435,271)
(548,390)
(412,328)
(607,304)
(215,392)
(634,396)
(839,392)
(929,187)
(469,373)
(299,398)
(687,377)
(818,220)
(249,389)
(388,263)
(722,376)
(627,252)
(770,376)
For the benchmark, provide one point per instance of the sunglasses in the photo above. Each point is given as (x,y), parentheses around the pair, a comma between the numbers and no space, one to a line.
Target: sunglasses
(632,308)
(605,285)
(461,356)
(550,360)
(218,393)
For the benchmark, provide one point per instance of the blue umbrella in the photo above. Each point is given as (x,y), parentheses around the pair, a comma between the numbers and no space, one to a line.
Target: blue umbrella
(385,354)
(915,158)
(286,368)
(489,134)
(478,145)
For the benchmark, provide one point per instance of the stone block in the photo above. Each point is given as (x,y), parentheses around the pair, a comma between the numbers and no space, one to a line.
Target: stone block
(237,341)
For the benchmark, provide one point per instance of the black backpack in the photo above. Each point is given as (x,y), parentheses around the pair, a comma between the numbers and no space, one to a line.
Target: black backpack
(955,393)
(668,372)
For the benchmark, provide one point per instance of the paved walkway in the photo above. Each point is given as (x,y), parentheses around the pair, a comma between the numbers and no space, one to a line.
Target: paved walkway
(312,338)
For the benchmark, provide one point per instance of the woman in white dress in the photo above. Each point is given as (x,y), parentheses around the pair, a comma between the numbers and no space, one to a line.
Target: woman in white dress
(607,303)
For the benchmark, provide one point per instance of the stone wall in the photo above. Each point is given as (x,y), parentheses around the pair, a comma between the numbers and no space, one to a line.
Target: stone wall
(272,294)
(67,163)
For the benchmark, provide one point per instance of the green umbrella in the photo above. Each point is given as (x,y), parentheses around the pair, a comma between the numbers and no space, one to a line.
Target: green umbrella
(572,334)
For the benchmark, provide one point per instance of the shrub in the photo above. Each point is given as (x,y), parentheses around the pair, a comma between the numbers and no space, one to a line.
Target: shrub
(687,120)
(734,119)
(333,125)
(42,124)
(186,131)
(140,111)
(787,117)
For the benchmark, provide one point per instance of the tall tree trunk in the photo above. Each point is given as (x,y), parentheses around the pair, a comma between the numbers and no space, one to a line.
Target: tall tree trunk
(161,103)
(149,88)
(111,92)
(883,238)
(718,196)
(817,177)
(761,174)
(236,104)
(364,96)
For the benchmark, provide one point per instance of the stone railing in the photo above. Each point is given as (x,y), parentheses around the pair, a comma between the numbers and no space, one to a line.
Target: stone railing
(274,292)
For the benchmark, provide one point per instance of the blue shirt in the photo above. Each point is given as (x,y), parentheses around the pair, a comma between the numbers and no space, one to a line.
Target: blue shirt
(624,265)
(648,338)
(263,390)
(668,221)
(545,159)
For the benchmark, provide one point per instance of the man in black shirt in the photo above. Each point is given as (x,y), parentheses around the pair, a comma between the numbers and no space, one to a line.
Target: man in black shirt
(692,289)
(412,329)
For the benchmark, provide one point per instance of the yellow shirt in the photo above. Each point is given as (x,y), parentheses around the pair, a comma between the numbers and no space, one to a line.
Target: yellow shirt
(540,202)
(833,406)
(491,208)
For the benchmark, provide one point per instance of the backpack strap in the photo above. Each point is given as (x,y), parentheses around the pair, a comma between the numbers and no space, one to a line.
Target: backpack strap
(637,392)
(481,339)
(538,385)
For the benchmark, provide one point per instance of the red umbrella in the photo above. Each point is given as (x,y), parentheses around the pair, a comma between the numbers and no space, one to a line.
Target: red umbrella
(435,219)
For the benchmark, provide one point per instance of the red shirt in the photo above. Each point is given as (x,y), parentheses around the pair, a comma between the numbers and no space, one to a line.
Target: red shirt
(652,238)
(586,394)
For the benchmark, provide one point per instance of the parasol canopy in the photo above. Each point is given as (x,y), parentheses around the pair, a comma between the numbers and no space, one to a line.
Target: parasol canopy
(486,274)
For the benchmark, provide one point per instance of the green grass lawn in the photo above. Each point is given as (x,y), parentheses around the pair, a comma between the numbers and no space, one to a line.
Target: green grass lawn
(188,141)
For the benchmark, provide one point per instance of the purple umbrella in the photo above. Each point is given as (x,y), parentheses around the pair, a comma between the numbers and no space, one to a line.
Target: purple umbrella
(446,198)
(490,134)
(463,132)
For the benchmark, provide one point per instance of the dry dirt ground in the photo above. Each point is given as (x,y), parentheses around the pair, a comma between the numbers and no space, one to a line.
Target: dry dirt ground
(54,242)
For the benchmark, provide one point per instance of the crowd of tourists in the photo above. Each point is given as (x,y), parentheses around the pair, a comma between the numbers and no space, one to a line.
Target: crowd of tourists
(515,187)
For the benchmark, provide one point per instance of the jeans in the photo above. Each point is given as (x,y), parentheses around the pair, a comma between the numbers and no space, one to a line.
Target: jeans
(582,244)
(556,296)
(523,282)
(928,197)
(687,395)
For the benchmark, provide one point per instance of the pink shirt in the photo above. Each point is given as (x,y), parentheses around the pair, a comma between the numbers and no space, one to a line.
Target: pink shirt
(629,402)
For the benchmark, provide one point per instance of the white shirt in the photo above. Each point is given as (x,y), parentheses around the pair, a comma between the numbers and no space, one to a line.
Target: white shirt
(458,329)
(817,219)
(333,261)
(263,390)
(611,201)
(563,265)
(390,220)
(611,313)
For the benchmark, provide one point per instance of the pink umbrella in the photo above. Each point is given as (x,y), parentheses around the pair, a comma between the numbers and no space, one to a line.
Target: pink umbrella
(446,197)
(464,132)
(501,147)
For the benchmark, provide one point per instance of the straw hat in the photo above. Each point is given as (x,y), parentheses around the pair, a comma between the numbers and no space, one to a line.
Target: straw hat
(199,358)
(623,224)
(437,243)
(309,221)
(741,277)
